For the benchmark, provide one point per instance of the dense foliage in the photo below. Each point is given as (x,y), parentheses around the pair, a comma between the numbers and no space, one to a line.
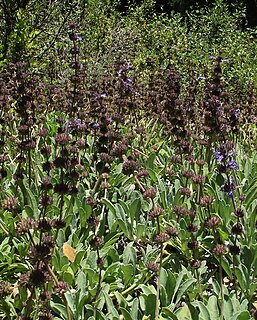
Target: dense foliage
(127,163)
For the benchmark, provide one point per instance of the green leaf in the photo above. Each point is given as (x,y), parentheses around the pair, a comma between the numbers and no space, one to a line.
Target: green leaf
(225,265)
(163,296)
(228,307)
(140,230)
(170,285)
(109,205)
(150,161)
(68,276)
(59,308)
(129,254)
(216,287)
(32,202)
(29,211)
(135,309)
(128,272)
(126,314)
(240,277)
(220,180)
(213,308)
(178,282)
(109,303)
(241,315)
(134,210)
(183,288)
(251,193)
(81,281)
(150,305)
(167,311)
(183,313)
(204,313)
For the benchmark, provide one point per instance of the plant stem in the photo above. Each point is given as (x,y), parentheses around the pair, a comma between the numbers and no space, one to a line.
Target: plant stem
(159,285)
(221,291)
(57,283)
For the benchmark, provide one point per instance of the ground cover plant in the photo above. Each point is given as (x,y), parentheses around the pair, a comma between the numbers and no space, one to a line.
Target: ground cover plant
(128,165)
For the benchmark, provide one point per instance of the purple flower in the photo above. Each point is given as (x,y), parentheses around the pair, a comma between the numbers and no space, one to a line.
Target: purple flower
(219,155)
(230,194)
(237,113)
(229,187)
(94,125)
(232,165)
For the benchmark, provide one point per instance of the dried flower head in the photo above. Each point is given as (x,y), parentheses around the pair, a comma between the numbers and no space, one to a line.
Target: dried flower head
(156,212)
(198,179)
(185,192)
(234,249)
(97,242)
(180,210)
(161,237)
(143,173)
(187,174)
(129,167)
(195,264)
(212,222)
(193,245)
(151,265)
(237,228)
(219,249)
(239,213)
(192,228)
(61,287)
(150,193)
(172,231)
(10,204)
(62,139)
(206,201)
(25,225)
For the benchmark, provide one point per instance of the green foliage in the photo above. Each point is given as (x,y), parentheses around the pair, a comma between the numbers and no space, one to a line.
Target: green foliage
(127,164)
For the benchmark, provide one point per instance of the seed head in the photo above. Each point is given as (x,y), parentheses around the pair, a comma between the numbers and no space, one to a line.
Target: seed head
(10,204)
(239,213)
(156,212)
(198,179)
(219,249)
(237,228)
(195,264)
(152,266)
(185,192)
(172,231)
(62,139)
(206,201)
(193,245)
(180,210)
(129,167)
(150,193)
(212,222)
(234,249)
(61,287)
(161,237)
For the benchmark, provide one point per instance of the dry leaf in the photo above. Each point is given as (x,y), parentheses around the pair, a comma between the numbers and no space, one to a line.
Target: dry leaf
(69,252)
